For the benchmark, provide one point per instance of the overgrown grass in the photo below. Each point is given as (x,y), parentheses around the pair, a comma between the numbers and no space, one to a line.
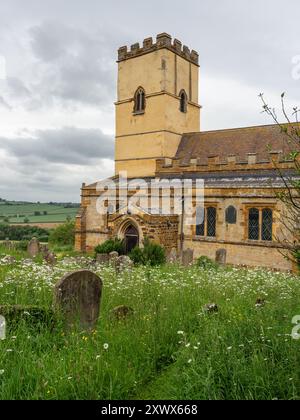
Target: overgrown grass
(169,349)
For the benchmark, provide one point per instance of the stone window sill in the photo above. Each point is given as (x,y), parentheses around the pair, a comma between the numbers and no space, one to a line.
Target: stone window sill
(138,113)
(205,239)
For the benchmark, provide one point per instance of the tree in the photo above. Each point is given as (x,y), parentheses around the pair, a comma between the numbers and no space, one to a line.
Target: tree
(290,196)
(63,234)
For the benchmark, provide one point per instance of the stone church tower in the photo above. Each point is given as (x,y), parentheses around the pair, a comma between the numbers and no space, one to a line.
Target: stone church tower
(158,138)
(157,102)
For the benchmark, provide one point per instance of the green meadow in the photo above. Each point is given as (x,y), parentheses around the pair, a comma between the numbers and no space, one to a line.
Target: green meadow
(169,349)
(36,212)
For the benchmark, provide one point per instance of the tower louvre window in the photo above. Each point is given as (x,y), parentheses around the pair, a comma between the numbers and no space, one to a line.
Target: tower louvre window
(183,101)
(139,101)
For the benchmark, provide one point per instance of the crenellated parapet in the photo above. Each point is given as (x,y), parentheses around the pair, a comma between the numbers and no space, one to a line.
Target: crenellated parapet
(163,40)
(232,162)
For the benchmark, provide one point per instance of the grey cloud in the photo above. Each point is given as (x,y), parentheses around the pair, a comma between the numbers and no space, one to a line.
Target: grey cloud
(4,104)
(69,145)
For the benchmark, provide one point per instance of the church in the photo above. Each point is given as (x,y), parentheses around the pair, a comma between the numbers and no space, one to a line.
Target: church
(158,137)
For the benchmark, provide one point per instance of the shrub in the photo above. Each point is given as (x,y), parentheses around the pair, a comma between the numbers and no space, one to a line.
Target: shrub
(43,238)
(111,245)
(152,254)
(205,262)
(63,234)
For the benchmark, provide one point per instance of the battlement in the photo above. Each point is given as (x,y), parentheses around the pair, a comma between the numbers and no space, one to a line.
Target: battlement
(163,40)
(214,163)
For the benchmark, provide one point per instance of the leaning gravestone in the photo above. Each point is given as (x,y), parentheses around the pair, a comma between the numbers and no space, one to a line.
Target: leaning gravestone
(33,248)
(221,256)
(187,257)
(123,263)
(172,257)
(77,296)
(50,258)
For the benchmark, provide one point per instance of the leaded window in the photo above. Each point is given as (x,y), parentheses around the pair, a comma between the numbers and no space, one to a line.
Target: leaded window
(267,225)
(230,215)
(253,224)
(211,221)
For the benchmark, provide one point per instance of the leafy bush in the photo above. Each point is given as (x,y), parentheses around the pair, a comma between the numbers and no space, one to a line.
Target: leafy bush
(205,262)
(152,254)
(63,235)
(111,245)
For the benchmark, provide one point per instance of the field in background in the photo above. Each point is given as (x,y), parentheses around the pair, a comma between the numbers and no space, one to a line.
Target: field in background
(37,213)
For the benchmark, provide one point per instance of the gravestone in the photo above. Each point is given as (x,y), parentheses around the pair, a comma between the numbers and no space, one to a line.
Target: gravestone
(33,248)
(102,258)
(123,263)
(77,296)
(113,258)
(50,258)
(44,249)
(221,256)
(2,328)
(172,257)
(211,308)
(121,313)
(187,257)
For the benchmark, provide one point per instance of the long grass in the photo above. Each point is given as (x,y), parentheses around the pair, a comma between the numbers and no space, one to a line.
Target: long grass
(169,349)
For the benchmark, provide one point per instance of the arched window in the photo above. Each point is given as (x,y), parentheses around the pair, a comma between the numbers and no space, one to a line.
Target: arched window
(139,101)
(230,215)
(211,221)
(267,225)
(253,224)
(183,101)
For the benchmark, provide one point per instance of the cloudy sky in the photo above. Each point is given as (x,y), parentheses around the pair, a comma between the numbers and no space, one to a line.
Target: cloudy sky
(58,78)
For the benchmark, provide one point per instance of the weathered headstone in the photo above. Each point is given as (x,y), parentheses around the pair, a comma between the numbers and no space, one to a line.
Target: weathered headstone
(113,258)
(2,328)
(187,257)
(121,313)
(33,247)
(211,308)
(102,258)
(172,257)
(44,249)
(123,263)
(50,258)
(77,296)
(221,256)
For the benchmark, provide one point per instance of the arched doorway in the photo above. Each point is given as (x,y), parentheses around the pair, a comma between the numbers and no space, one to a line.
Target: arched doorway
(131,237)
